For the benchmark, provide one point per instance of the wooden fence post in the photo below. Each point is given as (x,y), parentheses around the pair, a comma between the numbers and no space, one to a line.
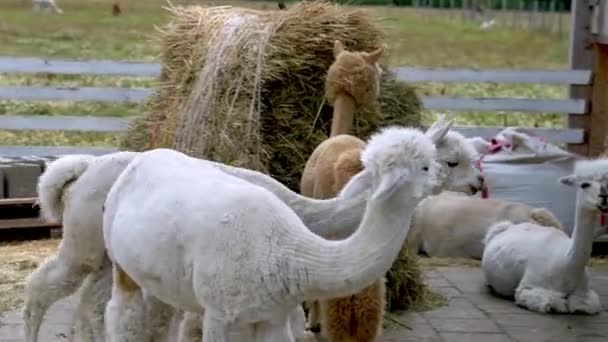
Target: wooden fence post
(598,125)
(581,57)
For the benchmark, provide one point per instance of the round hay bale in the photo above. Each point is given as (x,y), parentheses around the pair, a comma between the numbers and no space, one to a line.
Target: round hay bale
(246,87)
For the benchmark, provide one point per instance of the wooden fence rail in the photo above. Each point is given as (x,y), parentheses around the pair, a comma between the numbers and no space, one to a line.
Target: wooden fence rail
(148,69)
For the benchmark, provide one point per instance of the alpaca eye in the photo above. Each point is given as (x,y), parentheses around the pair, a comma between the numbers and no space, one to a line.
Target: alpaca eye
(585,185)
(425,168)
(452,164)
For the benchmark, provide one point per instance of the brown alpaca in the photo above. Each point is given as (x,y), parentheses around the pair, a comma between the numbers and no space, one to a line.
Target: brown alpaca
(352,82)
(116,11)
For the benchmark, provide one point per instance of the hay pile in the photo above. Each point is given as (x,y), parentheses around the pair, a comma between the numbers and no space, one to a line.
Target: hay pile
(246,87)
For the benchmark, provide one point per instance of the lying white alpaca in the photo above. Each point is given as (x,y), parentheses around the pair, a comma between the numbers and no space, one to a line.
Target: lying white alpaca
(47,5)
(242,254)
(454,225)
(542,267)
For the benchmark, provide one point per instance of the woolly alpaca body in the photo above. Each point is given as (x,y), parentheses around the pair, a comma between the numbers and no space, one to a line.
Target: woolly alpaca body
(82,238)
(543,268)
(47,5)
(455,225)
(71,191)
(332,164)
(285,262)
(82,250)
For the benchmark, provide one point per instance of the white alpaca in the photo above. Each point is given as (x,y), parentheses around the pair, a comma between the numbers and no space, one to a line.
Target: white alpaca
(72,191)
(542,267)
(47,5)
(243,255)
(454,225)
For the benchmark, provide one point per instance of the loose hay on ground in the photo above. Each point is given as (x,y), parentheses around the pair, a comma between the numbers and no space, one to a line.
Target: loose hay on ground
(17,261)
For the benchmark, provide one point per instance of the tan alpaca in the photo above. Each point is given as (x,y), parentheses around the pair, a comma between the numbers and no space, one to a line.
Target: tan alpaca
(353,81)
(454,225)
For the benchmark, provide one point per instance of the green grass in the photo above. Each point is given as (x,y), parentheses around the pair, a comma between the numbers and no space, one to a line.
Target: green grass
(87,30)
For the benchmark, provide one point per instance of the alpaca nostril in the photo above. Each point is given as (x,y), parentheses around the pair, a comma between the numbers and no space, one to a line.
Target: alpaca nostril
(481,179)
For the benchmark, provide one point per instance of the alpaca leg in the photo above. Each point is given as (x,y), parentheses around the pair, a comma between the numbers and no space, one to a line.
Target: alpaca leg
(273,332)
(94,296)
(368,312)
(335,319)
(53,280)
(587,302)
(355,318)
(125,312)
(297,325)
(190,328)
(584,299)
(214,328)
(158,318)
(540,300)
(314,317)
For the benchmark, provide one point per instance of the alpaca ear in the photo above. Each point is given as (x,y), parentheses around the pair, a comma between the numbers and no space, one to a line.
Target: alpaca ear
(356,185)
(439,129)
(390,182)
(338,48)
(569,180)
(374,57)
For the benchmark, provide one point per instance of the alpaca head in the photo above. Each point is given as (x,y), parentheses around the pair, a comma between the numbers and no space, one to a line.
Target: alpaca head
(354,74)
(456,156)
(400,164)
(591,178)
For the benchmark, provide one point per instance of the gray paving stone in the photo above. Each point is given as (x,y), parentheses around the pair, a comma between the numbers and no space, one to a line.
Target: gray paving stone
(448,292)
(418,332)
(489,303)
(407,318)
(457,308)
(464,325)
(466,279)
(541,335)
(437,282)
(471,337)
(472,314)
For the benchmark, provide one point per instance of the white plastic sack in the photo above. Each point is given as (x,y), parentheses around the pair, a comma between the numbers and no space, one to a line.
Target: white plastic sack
(524,168)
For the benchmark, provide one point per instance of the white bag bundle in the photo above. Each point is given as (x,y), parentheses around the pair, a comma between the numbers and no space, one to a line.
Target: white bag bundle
(521,167)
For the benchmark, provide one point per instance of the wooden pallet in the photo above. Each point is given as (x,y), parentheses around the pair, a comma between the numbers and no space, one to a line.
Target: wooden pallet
(20,220)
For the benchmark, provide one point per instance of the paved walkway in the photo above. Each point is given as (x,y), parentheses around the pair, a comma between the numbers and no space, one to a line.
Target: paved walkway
(472,315)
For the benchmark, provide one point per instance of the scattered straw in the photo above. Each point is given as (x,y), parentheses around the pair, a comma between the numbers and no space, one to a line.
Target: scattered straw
(19,260)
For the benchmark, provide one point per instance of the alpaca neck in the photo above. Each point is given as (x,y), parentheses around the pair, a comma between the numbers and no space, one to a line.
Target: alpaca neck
(344,110)
(340,268)
(328,217)
(581,241)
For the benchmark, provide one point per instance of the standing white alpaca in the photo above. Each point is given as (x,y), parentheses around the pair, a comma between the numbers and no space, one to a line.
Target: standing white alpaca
(242,254)
(47,5)
(72,191)
(543,268)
